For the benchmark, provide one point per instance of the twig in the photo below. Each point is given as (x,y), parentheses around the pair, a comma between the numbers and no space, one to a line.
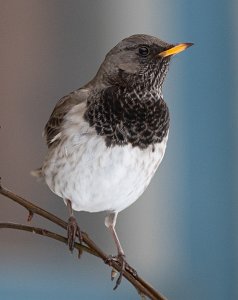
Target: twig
(47,233)
(142,286)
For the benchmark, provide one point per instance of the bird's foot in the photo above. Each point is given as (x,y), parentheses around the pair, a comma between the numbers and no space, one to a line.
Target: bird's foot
(73,230)
(121,260)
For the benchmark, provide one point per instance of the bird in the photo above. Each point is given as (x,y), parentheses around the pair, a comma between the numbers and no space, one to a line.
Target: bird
(106,139)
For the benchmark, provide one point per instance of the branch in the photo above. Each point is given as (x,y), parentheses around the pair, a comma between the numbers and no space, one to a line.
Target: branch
(141,286)
(47,233)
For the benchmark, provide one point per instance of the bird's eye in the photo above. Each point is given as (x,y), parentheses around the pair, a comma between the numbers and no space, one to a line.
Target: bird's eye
(144,51)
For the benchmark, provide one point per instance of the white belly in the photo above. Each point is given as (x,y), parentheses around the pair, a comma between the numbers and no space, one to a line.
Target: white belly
(96,178)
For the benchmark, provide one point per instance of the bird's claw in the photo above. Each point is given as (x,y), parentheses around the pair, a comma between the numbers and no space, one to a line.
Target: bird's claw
(73,230)
(121,260)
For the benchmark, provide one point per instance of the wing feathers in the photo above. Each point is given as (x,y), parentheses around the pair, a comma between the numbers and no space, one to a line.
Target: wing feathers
(53,127)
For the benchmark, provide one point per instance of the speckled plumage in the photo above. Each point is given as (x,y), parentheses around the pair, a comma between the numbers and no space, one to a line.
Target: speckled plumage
(107,139)
(122,118)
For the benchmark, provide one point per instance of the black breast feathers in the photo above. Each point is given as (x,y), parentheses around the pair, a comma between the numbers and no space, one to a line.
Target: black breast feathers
(122,117)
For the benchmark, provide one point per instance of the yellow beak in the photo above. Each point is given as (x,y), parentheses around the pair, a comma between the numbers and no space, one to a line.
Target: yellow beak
(175,49)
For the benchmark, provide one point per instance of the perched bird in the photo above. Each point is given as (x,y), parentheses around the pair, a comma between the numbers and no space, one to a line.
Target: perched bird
(107,138)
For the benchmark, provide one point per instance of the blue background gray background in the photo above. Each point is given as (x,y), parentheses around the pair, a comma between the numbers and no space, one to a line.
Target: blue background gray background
(181,235)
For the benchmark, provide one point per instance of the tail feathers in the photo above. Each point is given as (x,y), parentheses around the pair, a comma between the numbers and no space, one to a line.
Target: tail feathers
(37,173)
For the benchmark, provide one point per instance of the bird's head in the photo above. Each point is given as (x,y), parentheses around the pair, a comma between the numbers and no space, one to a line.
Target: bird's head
(138,60)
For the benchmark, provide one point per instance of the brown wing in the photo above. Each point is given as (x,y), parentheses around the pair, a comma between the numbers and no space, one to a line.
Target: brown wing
(54,125)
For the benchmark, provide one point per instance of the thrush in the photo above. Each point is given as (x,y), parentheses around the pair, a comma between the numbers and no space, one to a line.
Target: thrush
(106,139)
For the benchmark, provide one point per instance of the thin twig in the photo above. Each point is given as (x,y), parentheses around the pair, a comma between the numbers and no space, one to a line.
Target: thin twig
(47,233)
(142,286)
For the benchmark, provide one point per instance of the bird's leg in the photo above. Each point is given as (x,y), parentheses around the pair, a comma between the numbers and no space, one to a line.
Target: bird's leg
(120,258)
(72,228)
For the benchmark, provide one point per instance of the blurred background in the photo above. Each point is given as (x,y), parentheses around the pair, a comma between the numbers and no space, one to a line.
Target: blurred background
(182,234)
